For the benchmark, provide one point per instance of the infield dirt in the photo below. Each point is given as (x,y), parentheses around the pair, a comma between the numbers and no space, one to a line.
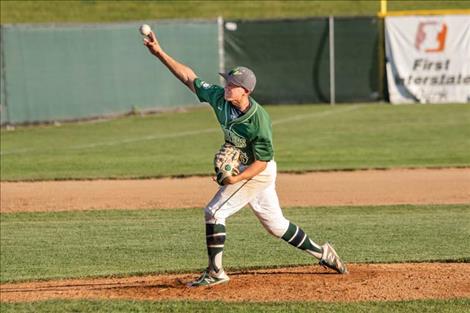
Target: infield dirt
(366,282)
(374,187)
(313,283)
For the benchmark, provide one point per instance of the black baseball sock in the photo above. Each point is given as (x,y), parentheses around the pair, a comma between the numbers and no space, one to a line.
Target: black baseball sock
(215,239)
(299,239)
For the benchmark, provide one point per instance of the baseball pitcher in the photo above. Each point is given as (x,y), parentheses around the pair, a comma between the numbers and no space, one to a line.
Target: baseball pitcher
(245,166)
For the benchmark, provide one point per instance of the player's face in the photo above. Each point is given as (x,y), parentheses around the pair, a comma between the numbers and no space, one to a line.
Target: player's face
(234,93)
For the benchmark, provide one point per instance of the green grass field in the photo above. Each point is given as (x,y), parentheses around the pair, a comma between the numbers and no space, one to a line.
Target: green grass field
(437,306)
(115,11)
(104,243)
(306,137)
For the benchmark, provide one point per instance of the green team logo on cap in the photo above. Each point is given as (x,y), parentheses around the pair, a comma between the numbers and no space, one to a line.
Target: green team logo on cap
(228,167)
(235,71)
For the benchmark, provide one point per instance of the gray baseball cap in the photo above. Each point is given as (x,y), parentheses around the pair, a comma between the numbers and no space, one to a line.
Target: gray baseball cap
(241,76)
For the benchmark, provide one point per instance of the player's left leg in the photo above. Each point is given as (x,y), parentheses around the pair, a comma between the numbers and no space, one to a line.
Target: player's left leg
(214,273)
(227,201)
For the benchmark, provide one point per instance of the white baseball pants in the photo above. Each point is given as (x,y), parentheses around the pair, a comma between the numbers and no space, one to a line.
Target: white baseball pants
(259,192)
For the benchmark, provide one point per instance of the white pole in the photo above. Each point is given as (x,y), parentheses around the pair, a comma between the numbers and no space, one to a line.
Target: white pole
(220,38)
(332,59)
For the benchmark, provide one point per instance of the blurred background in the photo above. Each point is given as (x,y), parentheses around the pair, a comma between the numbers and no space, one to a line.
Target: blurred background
(71,60)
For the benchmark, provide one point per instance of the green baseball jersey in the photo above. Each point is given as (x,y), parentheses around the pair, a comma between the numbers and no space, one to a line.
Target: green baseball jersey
(251,132)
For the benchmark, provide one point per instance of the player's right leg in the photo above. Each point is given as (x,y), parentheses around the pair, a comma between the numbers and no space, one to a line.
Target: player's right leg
(328,257)
(267,209)
(276,224)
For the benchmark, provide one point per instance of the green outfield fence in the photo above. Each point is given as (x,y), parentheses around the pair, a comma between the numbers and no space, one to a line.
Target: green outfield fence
(63,72)
(292,58)
(67,72)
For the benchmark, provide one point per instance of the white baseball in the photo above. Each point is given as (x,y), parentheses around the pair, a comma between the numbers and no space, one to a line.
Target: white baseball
(145,29)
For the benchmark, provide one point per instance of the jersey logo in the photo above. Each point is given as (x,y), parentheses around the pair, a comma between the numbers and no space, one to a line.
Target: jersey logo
(234,138)
(206,85)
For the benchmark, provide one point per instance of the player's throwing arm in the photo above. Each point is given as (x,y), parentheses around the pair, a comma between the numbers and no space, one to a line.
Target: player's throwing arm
(185,74)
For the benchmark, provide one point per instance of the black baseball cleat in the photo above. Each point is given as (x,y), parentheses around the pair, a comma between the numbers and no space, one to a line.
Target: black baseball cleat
(331,259)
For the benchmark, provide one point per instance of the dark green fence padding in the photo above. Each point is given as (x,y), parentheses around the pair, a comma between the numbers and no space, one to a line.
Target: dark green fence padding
(291,58)
(356,59)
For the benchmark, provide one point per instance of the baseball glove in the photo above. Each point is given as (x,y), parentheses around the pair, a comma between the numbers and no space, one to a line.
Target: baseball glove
(226,162)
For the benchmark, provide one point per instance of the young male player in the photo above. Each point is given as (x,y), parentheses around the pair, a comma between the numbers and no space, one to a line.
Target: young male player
(247,126)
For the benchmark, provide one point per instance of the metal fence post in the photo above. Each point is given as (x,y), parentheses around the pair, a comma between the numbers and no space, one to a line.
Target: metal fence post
(220,40)
(331,35)
(4,110)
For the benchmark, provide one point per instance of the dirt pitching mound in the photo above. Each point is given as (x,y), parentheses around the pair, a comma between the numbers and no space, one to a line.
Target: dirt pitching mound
(366,282)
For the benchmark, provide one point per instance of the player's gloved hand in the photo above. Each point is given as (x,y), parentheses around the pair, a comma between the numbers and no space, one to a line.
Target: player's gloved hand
(226,164)
(230,179)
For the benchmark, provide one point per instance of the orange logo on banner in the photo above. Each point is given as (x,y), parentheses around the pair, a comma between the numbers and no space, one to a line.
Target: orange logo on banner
(431,36)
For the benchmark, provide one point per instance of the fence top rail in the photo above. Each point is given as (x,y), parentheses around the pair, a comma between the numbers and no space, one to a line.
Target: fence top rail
(298,19)
(180,21)
(110,24)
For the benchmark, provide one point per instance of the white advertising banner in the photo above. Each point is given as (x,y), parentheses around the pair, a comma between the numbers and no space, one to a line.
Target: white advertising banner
(428,58)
